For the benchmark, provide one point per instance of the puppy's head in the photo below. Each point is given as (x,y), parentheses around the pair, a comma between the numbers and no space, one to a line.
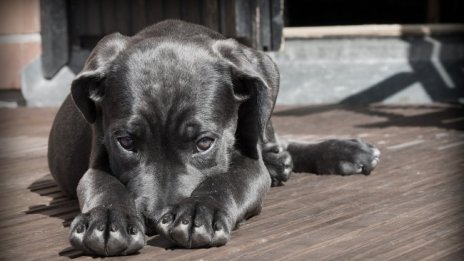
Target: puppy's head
(168,113)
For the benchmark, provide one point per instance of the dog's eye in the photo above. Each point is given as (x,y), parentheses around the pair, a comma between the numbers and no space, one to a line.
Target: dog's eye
(127,143)
(204,143)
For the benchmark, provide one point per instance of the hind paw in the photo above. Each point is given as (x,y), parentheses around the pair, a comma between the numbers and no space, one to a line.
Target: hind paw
(278,162)
(347,157)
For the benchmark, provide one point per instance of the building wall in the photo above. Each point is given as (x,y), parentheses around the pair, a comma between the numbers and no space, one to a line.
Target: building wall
(19,39)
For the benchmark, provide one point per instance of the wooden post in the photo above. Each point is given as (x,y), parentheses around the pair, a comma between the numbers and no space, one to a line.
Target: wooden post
(265,30)
(256,23)
(55,38)
(433,11)
(277,24)
(210,14)
(243,21)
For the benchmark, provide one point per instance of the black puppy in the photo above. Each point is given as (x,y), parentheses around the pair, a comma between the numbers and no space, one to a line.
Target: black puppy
(168,132)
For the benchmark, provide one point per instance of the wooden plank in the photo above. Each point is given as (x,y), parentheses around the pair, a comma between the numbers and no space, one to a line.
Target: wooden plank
(78,20)
(394,30)
(55,38)
(154,11)
(255,19)
(433,11)
(277,24)
(172,9)
(138,15)
(123,22)
(210,14)
(409,208)
(94,19)
(243,21)
(108,17)
(265,29)
(191,11)
(227,17)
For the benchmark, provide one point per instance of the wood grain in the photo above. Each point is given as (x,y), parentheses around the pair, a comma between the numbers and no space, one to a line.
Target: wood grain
(409,208)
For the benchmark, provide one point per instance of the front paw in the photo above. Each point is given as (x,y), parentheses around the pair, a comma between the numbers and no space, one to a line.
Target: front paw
(107,232)
(347,157)
(195,223)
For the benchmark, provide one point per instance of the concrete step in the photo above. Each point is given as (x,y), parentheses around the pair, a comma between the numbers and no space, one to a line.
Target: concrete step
(365,70)
(413,70)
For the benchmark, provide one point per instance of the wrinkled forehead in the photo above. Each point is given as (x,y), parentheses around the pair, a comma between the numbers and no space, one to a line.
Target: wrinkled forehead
(170,78)
(169,63)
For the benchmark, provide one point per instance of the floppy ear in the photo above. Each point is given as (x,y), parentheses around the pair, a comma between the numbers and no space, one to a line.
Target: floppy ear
(255,80)
(86,89)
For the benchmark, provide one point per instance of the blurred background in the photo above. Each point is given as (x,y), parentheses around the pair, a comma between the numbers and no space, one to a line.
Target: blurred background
(328,51)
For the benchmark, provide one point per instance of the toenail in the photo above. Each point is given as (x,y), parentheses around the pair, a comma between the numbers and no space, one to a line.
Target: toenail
(166,219)
(113,228)
(101,227)
(217,227)
(132,230)
(80,229)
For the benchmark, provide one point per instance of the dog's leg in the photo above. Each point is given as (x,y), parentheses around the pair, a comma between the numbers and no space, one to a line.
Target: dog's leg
(217,205)
(343,157)
(108,224)
(69,147)
(276,157)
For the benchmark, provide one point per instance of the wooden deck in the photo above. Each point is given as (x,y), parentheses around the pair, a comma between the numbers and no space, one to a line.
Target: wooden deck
(410,208)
